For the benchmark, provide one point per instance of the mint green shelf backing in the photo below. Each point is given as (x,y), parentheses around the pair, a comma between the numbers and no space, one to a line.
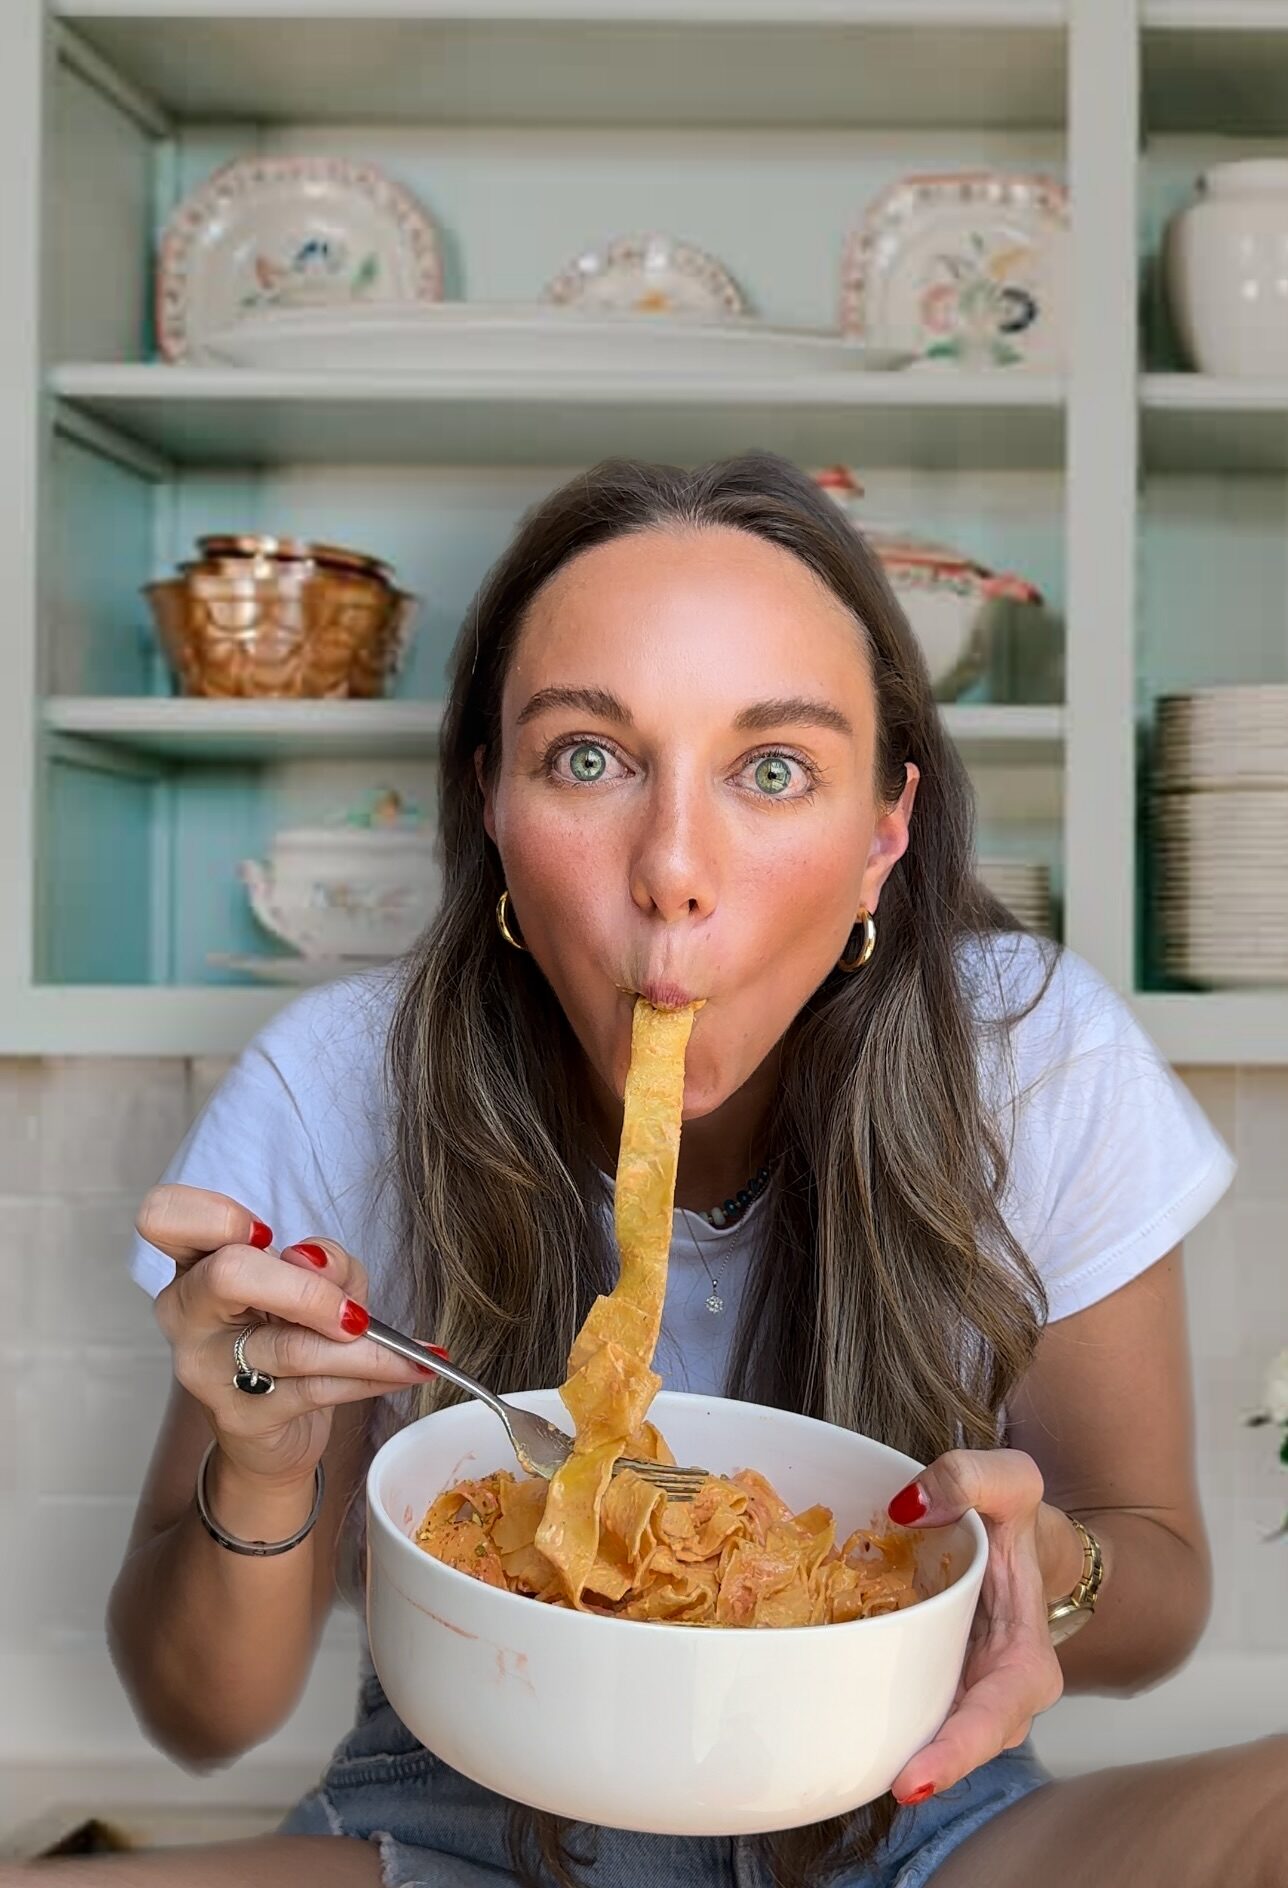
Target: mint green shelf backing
(219,816)
(98,552)
(97,880)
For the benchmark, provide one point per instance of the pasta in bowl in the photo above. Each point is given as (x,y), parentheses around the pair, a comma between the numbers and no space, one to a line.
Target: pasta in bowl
(546,1639)
(661,1727)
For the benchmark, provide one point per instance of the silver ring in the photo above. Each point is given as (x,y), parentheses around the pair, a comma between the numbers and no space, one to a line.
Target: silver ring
(246,1378)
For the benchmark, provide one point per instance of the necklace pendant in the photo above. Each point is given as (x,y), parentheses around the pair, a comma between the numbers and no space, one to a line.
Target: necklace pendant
(715,1303)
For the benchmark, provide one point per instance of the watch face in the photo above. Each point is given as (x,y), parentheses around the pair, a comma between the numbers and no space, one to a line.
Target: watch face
(1064,1625)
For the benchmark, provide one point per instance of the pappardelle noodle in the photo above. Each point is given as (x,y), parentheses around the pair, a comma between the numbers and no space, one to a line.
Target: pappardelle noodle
(596,1541)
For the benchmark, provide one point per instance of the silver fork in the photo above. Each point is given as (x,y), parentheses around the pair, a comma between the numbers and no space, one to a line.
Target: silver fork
(541,1447)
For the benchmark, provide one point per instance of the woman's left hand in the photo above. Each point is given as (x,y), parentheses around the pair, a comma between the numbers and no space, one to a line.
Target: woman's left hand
(1011,1671)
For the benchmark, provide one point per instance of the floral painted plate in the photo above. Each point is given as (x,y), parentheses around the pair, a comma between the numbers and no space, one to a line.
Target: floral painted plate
(649,274)
(968,269)
(289,232)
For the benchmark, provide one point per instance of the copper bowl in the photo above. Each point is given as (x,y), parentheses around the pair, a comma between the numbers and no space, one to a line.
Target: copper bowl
(223,546)
(299,621)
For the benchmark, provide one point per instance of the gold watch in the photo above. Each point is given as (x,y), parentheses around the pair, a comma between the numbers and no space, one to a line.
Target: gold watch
(1065,1616)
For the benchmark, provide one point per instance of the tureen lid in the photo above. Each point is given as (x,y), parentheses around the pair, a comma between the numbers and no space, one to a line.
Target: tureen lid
(382,815)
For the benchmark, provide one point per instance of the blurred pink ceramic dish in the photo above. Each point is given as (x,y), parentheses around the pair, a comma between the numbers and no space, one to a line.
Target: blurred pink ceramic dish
(951,601)
(663,1728)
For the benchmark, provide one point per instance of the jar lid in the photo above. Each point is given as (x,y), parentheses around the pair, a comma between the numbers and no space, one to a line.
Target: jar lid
(292,550)
(1245,176)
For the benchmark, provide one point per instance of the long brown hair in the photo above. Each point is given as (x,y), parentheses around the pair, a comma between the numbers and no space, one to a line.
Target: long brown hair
(886,1293)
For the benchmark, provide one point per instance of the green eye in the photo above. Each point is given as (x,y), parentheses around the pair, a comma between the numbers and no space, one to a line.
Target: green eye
(587,762)
(773,774)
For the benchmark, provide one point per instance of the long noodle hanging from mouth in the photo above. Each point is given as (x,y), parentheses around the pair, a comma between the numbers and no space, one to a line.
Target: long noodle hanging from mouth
(602,1542)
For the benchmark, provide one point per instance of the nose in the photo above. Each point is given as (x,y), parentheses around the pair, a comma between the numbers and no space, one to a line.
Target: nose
(674,857)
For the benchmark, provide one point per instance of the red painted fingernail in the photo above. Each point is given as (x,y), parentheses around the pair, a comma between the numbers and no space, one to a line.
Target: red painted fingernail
(909,1505)
(260,1234)
(918,1796)
(438,1351)
(354,1318)
(316,1255)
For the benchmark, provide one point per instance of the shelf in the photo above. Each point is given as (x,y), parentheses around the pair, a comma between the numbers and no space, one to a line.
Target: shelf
(1001,733)
(1238,17)
(212,416)
(1202,423)
(126,1020)
(815,63)
(1215,66)
(199,731)
(1222,1027)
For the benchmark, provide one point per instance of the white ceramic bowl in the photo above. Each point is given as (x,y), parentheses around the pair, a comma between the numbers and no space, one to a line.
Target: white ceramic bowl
(667,1729)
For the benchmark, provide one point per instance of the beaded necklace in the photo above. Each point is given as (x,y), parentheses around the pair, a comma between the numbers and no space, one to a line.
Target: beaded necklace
(725,1215)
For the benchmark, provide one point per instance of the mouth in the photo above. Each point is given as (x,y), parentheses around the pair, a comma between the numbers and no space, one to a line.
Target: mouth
(666,996)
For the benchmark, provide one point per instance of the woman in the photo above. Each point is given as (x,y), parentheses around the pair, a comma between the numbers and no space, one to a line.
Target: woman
(932,1185)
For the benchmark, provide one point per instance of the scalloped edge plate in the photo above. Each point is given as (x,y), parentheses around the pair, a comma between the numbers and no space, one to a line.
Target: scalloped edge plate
(287,232)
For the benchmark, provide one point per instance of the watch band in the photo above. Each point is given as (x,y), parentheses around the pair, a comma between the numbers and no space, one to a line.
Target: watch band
(1075,1609)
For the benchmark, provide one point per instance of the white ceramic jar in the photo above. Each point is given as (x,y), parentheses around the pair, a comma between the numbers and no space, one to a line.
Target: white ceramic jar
(1225,270)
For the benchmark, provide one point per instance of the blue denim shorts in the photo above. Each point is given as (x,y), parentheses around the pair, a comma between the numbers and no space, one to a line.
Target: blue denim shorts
(436,1829)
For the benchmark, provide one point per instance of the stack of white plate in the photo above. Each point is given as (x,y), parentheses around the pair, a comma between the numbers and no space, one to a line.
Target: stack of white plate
(1221,835)
(1023,887)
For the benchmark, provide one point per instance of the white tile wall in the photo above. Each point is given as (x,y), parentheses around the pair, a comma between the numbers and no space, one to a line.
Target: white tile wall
(83,1372)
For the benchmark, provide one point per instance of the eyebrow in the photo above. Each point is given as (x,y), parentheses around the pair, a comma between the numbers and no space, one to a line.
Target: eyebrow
(778,712)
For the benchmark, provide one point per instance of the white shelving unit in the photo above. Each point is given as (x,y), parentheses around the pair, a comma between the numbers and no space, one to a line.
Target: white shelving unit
(669,63)
(194,732)
(1200,423)
(230,416)
(197,732)
(1132,492)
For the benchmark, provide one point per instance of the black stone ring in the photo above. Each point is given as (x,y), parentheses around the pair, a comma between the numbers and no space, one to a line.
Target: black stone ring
(246,1378)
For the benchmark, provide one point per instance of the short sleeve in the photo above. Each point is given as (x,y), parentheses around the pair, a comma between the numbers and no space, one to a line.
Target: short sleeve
(297,1129)
(1112,1161)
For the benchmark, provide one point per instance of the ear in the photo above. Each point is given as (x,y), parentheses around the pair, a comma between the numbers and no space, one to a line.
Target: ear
(890,838)
(486,789)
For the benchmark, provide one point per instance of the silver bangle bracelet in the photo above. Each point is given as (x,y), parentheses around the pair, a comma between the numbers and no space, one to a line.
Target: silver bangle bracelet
(258,1548)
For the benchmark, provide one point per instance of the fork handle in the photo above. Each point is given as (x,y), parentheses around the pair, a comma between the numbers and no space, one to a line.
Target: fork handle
(390,1339)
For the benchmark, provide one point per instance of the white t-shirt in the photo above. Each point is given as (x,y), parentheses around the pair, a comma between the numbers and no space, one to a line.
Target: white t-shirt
(1112,1161)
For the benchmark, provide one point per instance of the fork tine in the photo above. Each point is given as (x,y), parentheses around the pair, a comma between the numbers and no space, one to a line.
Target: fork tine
(652,1471)
(681,1484)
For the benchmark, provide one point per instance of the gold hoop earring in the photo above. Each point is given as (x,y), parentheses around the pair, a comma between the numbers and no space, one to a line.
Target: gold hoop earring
(502,921)
(869,923)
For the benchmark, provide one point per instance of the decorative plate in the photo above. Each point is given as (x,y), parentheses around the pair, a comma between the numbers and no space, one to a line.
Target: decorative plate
(289,232)
(294,970)
(969,269)
(650,274)
(541,337)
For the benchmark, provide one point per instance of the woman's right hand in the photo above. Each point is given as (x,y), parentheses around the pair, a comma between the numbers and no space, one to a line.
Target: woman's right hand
(313,1297)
